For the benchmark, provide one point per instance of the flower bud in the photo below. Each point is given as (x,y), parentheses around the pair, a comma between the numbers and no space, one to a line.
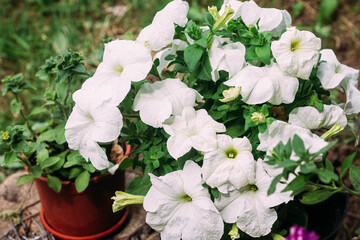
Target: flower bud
(122,199)
(231,94)
(277,237)
(5,136)
(234,233)
(332,131)
(228,13)
(214,12)
(258,117)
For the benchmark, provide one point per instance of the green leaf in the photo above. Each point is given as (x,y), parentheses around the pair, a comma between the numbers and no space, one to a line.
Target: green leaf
(38,111)
(298,146)
(346,164)
(74,172)
(206,69)
(126,163)
(24,179)
(250,54)
(60,134)
(59,164)
(307,168)
(297,185)
(15,106)
(287,163)
(215,192)
(201,42)
(329,165)
(314,197)
(42,155)
(74,159)
(35,170)
(264,53)
(315,102)
(273,184)
(50,162)
(9,157)
(139,185)
(54,183)
(89,167)
(82,181)
(354,175)
(192,56)
(327,176)
(48,136)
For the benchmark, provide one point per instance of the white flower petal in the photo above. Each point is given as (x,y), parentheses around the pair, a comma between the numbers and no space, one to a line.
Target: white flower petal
(310,118)
(229,57)
(93,119)
(124,61)
(352,105)
(156,102)
(297,52)
(280,131)
(271,19)
(192,128)
(90,150)
(256,220)
(235,5)
(285,87)
(161,31)
(227,173)
(180,208)
(256,85)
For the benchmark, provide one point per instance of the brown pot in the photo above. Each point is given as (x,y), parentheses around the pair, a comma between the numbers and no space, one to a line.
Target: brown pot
(85,215)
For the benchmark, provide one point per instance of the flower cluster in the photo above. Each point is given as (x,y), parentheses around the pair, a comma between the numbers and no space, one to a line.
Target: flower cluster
(225,94)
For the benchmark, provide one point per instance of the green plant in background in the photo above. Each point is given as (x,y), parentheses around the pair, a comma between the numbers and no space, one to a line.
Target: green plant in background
(39,144)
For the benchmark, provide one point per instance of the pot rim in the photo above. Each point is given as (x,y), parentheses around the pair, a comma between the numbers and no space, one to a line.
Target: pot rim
(89,237)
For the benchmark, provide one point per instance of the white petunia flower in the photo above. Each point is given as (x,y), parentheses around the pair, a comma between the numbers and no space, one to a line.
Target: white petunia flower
(354,125)
(158,101)
(310,118)
(333,74)
(161,31)
(191,129)
(123,62)
(92,120)
(297,52)
(280,131)
(179,207)
(265,84)
(229,57)
(230,166)
(250,206)
(271,19)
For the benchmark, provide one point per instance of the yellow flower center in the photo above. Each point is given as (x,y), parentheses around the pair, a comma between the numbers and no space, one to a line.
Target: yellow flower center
(231,153)
(186,198)
(119,69)
(294,45)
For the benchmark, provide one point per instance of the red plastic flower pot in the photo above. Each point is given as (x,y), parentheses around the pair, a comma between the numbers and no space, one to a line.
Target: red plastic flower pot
(85,215)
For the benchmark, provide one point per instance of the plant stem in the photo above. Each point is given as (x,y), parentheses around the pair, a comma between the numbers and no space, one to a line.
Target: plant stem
(62,109)
(349,190)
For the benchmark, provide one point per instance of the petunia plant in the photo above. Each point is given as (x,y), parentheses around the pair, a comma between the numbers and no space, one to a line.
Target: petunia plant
(230,120)
(38,142)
